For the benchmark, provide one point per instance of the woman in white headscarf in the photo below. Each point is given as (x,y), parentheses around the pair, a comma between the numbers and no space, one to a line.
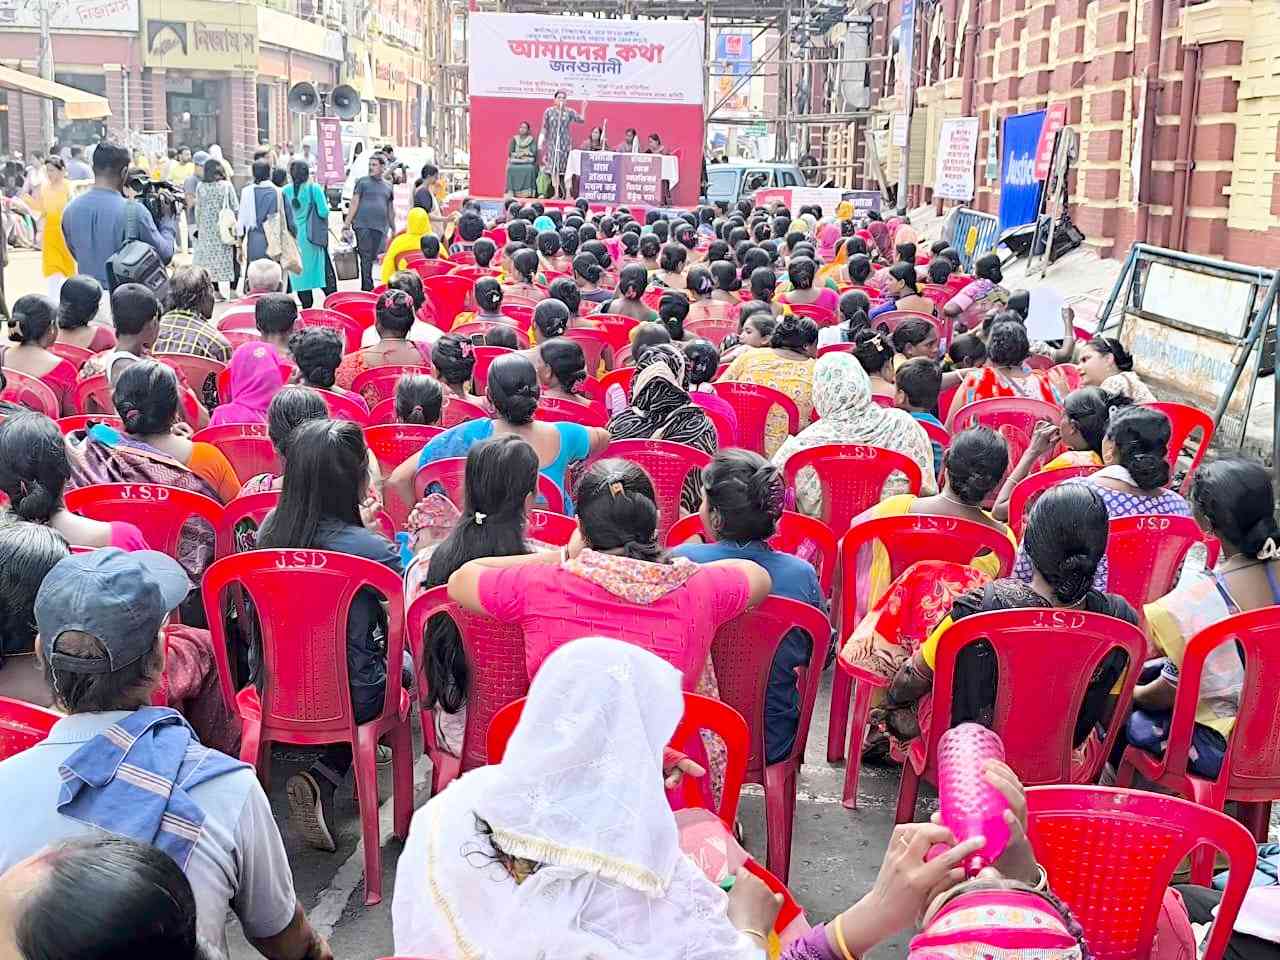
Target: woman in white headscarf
(569,849)
(849,414)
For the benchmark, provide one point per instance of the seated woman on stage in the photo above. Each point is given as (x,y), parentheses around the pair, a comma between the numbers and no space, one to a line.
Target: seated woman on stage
(596,141)
(522,163)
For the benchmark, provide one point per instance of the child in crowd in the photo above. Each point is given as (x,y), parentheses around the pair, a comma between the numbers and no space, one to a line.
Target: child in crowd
(919,381)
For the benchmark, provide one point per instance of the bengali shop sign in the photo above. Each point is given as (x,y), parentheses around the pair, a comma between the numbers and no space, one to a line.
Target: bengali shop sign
(957,150)
(73,14)
(531,56)
(621,178)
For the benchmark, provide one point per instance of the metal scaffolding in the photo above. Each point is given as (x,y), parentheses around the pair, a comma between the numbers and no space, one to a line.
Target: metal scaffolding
(802,67)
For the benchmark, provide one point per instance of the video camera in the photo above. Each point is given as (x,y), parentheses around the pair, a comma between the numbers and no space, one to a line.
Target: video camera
(161,198)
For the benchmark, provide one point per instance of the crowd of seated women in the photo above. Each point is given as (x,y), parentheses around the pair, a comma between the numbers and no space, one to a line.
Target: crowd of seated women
(794,304)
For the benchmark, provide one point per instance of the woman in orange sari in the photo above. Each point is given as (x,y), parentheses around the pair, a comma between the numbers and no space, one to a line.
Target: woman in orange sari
(1005,373)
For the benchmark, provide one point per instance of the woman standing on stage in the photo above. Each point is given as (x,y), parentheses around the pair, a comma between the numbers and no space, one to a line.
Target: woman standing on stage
(555,140)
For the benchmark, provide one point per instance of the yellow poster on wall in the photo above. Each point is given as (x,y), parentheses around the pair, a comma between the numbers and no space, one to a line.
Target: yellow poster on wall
(200,35)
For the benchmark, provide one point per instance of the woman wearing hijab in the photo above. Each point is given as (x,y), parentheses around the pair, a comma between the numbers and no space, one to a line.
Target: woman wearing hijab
(416,227)
(842,397)
(828,241)
(255,379)
(882,240)
(661,409)
(568,847)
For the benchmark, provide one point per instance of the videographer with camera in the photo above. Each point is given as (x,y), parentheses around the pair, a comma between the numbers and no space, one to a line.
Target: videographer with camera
(105,220)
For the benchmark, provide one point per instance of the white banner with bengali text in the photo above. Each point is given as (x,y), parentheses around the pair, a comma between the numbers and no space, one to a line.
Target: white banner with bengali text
(531,56)
(72,14)
(957,150)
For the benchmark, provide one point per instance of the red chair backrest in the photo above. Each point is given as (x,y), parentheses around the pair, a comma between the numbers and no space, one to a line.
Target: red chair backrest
(742,653)
(495,652)
(335,301)
(1113,853)
(379,383)
(428,269)
(1184,420)
(570,411)
(470,271)
(822,316)
(351,329)
(753,403)
(700,713)
(246,445)
(1014,418)
(593,344)
(936,434)
(546,526)
(196,370)
(456,411)
(302,599)
(448,296)
(667,464)
(652,298)
(804,537)
(81,421)
(1042,683)
(484,356)
(835,348)
(23,725)
(622,376)
(343,408)
(391,444)
(70,352)
(521,313)
(158,511)
(450,473)
(713,330)
(1145,553)
(890,320)
(1252,765)
(1068,375)
(30,392)
(1028,490)
(361,314)
(93,394)
(1039,362)
(478,328)
(852,477)
(384,413)
(238,318)
(498,235)
(909,539)
(247,506)
(617,329)
(957,282)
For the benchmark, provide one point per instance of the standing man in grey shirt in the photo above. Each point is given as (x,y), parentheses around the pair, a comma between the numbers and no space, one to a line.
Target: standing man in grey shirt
(373,216)
(115,764)
(94,222)
(77,169)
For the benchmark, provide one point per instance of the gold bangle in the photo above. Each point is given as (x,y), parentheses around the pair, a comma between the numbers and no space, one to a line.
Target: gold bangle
(764,938)
(844,947)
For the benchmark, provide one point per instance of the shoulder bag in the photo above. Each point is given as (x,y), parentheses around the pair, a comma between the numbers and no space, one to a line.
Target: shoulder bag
(281,245)
(317,227)
(227,218)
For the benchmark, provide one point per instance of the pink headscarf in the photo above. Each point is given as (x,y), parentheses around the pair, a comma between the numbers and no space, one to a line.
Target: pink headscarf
(828,237)
(882,238)
(255,379)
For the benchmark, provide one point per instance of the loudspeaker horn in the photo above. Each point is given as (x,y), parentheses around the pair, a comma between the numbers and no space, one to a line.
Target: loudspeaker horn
(346,101)
(304,98)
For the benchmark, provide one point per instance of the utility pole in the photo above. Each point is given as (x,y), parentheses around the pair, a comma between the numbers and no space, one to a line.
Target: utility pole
(44,10)
(907,47)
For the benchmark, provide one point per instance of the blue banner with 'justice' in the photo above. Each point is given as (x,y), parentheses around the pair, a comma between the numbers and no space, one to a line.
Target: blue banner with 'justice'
(1019,188)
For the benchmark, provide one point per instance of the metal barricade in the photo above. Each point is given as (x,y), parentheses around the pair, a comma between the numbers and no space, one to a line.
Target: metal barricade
(973,233)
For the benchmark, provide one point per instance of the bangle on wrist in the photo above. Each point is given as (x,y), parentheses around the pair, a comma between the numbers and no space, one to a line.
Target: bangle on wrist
(845,953)
(750,932)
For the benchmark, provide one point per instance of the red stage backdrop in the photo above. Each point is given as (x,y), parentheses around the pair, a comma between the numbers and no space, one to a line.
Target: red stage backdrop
(646,74)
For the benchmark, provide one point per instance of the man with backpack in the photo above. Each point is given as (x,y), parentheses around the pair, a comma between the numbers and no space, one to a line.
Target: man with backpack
(108,233)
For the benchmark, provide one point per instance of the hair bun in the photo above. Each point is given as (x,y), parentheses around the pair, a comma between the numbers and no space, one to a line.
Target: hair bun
(1074,578)
(34,503)
(767,490)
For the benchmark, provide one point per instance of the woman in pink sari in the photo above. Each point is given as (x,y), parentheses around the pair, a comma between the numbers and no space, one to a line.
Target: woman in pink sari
(255,379)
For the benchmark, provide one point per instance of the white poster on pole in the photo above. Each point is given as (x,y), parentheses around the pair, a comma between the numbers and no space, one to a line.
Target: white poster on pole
(901,129)
(957,149)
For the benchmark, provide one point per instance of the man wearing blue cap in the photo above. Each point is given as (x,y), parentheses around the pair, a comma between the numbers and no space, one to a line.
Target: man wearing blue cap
(117,764)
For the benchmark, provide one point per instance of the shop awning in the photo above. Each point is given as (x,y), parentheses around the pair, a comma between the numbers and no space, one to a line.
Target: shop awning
(77,104)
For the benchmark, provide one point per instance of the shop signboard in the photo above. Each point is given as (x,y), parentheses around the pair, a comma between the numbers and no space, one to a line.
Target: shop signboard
(200,35)
(72,14)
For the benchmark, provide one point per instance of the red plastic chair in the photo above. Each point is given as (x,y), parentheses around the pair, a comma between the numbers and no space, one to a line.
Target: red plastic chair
(1014,418)
(936,434)
(470,271)
(247,506)
(479,328)
(334,301)
(1184,421)
(429,269)
(360,313)
(666,464)
(76,356)
(1039,362)
(448,296)
(450,473)
(391,444)
(957,282)
(351,329)
(384,413)
(852,477)
(379,383)
(1112,855)
(498,235)
(158,511)
(570,411)
(521,313)
(302,599)
(30,392)
(456,411)
(1041,687)
(1028,490)
(622,376)
(195,371)
(906,539)
(890,319)
(1250,773)
(804,537)
(742,653)
(617,329)
(594,344)
(23,725)
(246,445)
(822,316)
(652,297)
(238,318)
(343,408)
(83,422)
(713,330)
(835,348)
(700,713)
(495,651)
(1145,553)
(753,403)
(224,380)
(484,356)
(93,395)
(1066,374)
(546,526)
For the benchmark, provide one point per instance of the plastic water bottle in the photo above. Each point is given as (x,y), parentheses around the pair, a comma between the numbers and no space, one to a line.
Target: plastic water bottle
(970,805)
